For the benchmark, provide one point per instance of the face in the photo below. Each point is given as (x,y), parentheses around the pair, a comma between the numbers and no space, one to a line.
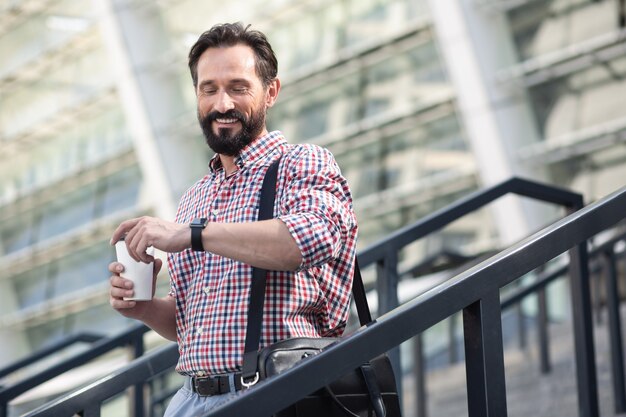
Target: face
(232,100)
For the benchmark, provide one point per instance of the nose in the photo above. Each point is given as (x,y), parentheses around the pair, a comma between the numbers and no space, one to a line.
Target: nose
(224,102)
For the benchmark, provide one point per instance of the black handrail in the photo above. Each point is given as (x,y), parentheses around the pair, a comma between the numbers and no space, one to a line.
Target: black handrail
(82,337)
(546,277)
(604,251)
(88,400)
(474,291)
(465,205)
(132,336)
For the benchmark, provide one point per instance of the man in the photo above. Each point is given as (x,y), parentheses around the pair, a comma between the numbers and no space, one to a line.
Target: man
(309,245)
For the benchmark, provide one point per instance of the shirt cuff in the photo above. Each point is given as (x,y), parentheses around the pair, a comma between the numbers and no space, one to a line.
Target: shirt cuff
(316,239)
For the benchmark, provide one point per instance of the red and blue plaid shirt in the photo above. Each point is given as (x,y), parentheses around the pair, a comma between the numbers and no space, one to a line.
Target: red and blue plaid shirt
(212,292)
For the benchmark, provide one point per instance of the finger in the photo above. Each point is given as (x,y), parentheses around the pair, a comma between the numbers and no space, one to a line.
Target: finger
(120,293)
(158,263)
(131,242)
(120,304)
(147,258)
(142,249)
(119,282)
(155,273)
(122,229)
(137,243)
(116,267)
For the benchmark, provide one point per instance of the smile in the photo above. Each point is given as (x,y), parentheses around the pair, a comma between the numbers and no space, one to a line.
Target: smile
(226,121)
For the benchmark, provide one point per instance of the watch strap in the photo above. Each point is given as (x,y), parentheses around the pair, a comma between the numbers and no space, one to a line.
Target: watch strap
(196,235)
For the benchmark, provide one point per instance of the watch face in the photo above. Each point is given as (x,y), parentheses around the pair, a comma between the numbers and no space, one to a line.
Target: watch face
(199,222)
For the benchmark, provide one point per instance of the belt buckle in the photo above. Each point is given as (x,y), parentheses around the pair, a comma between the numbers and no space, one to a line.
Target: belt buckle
(206,386)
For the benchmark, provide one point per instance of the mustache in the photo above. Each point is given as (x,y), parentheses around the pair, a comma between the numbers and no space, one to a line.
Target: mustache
(230,114)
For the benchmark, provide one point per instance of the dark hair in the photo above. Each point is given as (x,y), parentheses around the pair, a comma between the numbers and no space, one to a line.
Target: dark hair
(231,34)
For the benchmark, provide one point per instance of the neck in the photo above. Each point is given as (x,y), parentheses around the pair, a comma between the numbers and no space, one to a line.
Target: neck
(228,163)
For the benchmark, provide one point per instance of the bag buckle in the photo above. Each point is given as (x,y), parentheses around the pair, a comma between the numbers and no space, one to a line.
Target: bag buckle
(251,383)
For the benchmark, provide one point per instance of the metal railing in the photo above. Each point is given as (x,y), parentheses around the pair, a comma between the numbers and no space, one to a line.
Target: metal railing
(603,260)
(384,255)
(614,327)
(100,345)
(475,293)
(87,401)
(82,337)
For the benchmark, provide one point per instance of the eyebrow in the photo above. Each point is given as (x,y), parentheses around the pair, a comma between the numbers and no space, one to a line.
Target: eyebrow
(240,81)
(233,81)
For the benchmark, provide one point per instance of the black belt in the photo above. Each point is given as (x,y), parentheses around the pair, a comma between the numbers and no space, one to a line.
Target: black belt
(207,386)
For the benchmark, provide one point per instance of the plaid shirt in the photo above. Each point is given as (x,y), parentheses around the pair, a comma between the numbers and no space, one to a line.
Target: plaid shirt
(212,292)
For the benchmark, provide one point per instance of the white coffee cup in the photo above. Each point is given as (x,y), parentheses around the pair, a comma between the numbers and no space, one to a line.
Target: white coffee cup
(138,272)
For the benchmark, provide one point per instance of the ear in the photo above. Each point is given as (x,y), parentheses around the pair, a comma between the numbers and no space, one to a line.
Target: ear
(271,93)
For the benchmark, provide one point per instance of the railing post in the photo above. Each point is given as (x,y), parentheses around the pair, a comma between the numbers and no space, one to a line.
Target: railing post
(387,287)
(453,354)
(521,326)
(138,400)
(387,283)
(542,331)
(596,299)
(615,333)
(419,371)
(484,357)
(583,332)
(91,410)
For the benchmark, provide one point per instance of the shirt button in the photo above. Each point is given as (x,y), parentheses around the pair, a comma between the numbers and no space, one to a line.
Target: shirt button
(199,330)
(206,290)
(215,212)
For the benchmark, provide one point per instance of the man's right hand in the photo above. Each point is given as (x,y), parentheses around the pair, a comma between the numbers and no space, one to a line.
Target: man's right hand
(122,287)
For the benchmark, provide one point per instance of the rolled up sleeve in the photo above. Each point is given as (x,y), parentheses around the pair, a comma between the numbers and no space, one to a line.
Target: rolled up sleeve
(317,206)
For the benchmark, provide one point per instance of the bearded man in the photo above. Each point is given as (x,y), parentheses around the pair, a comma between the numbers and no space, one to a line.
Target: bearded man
(216,239)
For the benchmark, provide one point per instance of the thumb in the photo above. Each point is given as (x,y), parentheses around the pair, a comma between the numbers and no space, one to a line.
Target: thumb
(158,263)
(155,272)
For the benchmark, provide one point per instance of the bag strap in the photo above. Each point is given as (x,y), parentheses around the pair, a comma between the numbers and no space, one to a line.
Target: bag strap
(259,278)
(360,299)
(257,285)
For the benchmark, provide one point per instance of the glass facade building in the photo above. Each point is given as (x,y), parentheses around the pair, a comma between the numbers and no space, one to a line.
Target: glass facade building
(421,102)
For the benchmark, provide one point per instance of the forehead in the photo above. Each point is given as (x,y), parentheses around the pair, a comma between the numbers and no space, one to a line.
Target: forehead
(227,62)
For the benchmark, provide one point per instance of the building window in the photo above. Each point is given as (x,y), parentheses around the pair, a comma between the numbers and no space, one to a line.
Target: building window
(72,273)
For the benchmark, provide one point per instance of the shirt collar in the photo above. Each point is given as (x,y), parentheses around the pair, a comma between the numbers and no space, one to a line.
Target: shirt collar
(257,150)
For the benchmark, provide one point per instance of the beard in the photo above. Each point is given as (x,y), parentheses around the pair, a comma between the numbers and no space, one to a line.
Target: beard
(225,142)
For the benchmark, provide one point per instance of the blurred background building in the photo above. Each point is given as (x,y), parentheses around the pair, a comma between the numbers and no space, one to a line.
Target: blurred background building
(421,101)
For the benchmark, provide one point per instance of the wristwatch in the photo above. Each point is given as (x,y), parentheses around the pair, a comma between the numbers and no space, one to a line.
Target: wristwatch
(197,226)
